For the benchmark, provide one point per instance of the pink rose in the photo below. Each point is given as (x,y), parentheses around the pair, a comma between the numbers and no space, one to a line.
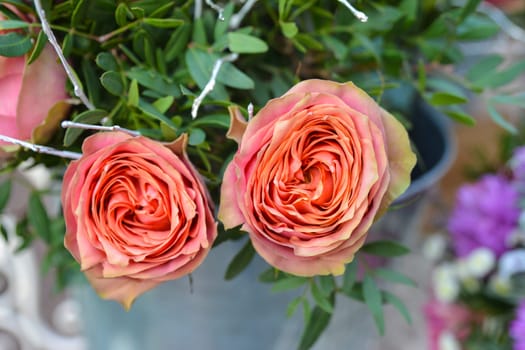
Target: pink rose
(137,214)
(313,170)
(29,92)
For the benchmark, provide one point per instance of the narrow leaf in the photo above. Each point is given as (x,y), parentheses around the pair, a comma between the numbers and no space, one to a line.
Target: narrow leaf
(12,24)
(292,306)
(41,42)
(87,117)
(240,261)
(385,248)
(244,43)
(317,323)
(14,44)
(350,276)
(288,283)
(398,304)
(163,22)
(373,300)
(38,217)
(320,299)
(394,276)
(5,192)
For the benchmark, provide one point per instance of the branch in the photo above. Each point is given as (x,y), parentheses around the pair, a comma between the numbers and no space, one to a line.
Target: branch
(211,83)
(40,148)
(70,124)
(358,14)
(77,86)
(237,18)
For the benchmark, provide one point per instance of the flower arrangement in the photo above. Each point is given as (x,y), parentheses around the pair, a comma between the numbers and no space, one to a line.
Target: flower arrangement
(174,126)
(479,298)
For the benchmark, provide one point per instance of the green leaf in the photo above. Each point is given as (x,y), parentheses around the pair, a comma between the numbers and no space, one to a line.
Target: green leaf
(487,64)
(152,112)
(326,284)
(307,311)
(5,192)
(385,248)
(317,323)
(123,14)
(240,261)
(3,232)
(177,42)
(271,275)
(41,42)
(398,304)
(505,76)
(38,217)
(477,27)
(516,100)
(221,27)
(409,8)
(106,61)
(214,120)
(321,299)
(133,93)
(350,276)
(163,104)
(163,22)
(468,8)
(197,136)
(112,82)
(394,276)
(445,98)
(292,306)
(244,43)
(154,81)
(500,120)
(460,116)
(14,44)
(289,282)
(12,24)
(289,29)
(373,301)
(87,117)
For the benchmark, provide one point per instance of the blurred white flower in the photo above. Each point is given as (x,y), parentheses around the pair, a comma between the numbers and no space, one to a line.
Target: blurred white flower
(500,285)
(447,341)
(480,262)
(434,247)
(445,283)
(512,262)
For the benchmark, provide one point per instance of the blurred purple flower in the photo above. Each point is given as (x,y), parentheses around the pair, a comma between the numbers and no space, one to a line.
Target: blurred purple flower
(517,164)
(517,328)
(485,214)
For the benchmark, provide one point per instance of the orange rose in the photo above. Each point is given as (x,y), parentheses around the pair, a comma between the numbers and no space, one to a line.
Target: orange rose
(137,214)
(313,170)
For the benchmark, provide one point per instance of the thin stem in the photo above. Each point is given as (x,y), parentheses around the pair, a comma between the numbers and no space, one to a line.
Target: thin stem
(220,10)
(70,124)
(40,148)
(358,14)
(197,9)
(211,83)
(77,86)
(106,37)
(250,111)
(237,18)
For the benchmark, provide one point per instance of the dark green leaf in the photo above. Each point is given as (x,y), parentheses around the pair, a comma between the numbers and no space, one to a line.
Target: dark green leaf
(5,192)
(385,248)
(79,13)
(216,120)
(151,111)
(41,42)
(14,44)
(394,276)
(154,81)
(38,218)
(290,282)
(350,276)
(87,117)
(123,14)
(197,136)
(468,8)
(317,323)
(221,27)
(460,116)
(398,304)
(321,299)
(3,232)
(112,82)
(106,61)
(271,275)
(243,43)
(374,302)
(177,42)
(477,27)
(326,284)
(240,261)
(163,22)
